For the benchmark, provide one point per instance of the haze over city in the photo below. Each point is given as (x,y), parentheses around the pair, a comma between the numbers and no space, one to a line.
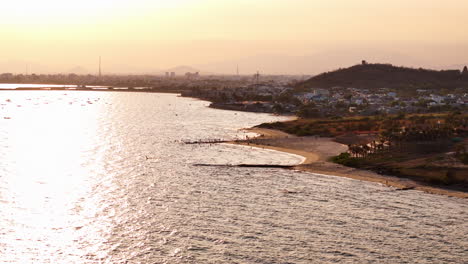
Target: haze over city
(273,37)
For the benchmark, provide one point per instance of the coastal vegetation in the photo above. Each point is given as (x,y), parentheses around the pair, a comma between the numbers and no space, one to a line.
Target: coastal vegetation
(430,148)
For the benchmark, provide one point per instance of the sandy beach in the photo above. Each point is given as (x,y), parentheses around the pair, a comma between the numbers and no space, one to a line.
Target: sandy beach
(317,152)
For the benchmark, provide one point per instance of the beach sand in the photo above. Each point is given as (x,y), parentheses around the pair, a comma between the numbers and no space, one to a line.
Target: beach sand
(317,152)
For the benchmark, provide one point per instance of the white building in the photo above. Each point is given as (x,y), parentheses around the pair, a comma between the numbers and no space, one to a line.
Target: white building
(323,92)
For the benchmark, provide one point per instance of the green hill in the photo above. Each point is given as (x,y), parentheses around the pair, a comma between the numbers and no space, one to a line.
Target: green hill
(370,76)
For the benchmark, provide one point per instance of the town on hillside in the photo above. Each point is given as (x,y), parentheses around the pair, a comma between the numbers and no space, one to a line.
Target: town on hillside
(364,89)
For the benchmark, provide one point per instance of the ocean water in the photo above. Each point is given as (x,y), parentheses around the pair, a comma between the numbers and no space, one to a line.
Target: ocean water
(89,177)
(25,85)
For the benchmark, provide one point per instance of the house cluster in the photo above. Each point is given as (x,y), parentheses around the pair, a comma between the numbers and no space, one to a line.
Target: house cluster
(449,99)
(339,100)
(316,95)
(274,97)
(252,97)
(272,93)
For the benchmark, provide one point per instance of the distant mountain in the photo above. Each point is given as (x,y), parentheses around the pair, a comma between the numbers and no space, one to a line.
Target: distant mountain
(387,76)
(180,70)
(78,70)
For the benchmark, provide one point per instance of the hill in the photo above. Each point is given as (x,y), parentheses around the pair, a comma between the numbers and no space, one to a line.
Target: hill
(369,76)
(180,70)
(78,70)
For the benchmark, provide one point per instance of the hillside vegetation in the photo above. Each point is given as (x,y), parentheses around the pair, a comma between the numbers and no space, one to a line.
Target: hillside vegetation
(369,76)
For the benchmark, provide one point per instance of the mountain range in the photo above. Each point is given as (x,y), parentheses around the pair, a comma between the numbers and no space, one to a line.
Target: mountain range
(267,63)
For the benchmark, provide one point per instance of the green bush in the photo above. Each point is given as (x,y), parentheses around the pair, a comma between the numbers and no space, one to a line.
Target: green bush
(340,158)
(346,160)
(464,158)
(303,132)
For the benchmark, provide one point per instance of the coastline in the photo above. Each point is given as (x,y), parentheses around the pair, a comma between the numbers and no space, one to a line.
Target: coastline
(309,157)
(317,151)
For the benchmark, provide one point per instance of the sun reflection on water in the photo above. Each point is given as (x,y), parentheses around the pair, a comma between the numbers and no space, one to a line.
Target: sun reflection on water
(46,197)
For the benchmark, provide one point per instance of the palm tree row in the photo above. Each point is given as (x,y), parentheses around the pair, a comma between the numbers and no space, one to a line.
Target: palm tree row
(401,135)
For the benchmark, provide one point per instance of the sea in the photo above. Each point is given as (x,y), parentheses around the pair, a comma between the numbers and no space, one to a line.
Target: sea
(107,177)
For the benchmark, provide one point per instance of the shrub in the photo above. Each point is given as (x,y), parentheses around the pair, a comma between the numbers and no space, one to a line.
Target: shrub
(346,160)
(464,158)
(341,157)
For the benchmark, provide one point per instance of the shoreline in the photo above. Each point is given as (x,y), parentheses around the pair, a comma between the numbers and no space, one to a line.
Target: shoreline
(315,161)
(317,151)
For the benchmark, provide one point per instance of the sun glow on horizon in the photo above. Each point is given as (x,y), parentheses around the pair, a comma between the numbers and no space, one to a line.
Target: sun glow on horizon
(150,35)
(52,9)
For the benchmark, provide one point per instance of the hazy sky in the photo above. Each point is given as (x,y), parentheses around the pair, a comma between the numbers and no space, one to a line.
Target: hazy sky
(148,35)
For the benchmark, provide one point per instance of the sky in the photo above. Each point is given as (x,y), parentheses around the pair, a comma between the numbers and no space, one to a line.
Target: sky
(272,36)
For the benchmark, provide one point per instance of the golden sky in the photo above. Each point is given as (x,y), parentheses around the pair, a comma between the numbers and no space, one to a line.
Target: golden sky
(147,35)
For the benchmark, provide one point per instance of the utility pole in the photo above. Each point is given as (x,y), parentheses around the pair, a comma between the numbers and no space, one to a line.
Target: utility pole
(100,73)
(237,69)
